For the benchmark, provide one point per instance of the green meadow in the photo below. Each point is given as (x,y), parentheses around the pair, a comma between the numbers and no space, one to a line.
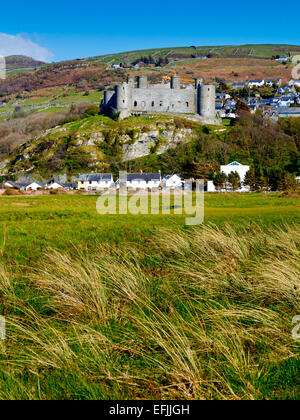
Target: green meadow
(145,307)
(29,225)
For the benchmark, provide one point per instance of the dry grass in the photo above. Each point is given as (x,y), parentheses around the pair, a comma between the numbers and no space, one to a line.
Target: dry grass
(196,314)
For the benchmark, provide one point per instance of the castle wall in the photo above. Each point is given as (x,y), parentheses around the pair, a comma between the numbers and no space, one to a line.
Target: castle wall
(163,100)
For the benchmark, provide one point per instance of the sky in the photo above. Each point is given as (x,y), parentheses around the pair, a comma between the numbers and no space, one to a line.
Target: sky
(66,29)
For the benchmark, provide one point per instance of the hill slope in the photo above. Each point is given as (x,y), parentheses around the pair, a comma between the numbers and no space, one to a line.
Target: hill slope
(21,61)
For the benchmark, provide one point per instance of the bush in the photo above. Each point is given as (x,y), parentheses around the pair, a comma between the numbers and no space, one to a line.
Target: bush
(12,191)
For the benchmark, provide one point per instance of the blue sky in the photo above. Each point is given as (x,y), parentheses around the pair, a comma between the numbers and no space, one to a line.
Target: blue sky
(68,29)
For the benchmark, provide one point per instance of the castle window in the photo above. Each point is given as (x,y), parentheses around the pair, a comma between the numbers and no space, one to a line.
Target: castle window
(187,104)
(161,103)
(152,103)
(135,103)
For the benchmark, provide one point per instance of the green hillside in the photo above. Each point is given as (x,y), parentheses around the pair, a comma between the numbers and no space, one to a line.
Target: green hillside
(254,50)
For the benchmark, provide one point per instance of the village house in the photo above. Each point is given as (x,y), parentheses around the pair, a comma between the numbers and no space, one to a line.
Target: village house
(272,82)
(286,112)
(62,186)
(143,181)
(34,186)
(238,85)
(294,83)
(172,181)
(227,169)
(256,83)
(28,186)
(283,90)
(94,182)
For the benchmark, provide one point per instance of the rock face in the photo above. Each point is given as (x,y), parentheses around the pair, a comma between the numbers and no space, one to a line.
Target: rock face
(154,141)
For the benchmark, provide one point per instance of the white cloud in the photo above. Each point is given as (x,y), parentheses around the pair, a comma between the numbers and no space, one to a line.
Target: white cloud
(19,45)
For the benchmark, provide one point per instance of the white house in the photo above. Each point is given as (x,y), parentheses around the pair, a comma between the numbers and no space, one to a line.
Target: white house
(285,101)
(271,82)
(172,181)
(10,184)
(240,169)
(143,181)
(294,83)
(256,83)
(55,186)
(94,182)
(34,186)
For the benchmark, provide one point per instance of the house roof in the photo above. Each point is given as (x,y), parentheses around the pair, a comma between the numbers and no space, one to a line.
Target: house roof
(170,176)
(35,182)
(94,177)
(144,177)
(256,81)
(69,185)
(235,163)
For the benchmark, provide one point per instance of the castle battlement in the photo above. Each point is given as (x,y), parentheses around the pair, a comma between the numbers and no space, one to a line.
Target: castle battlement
(139,97)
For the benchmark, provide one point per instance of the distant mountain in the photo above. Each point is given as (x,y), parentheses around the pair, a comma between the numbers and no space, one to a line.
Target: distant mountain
(21,61)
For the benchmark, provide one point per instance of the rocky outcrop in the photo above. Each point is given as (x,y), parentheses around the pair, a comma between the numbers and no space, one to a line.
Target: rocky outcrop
(155,141)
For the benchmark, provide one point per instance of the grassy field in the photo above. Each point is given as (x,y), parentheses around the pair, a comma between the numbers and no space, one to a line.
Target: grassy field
(144,307)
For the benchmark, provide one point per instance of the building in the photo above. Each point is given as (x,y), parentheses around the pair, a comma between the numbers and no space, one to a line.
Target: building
(227,169)
(34,186)
(235,167)
(55,186)
(94,182)
(286,112)
(256,83)
(238,85)
(283,90)
(172,181)
(143,181)
(294,83)
(62,186)
(131,98)
(272,82)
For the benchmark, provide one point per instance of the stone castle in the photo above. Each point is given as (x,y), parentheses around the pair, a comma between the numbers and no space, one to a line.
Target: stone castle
(196,101)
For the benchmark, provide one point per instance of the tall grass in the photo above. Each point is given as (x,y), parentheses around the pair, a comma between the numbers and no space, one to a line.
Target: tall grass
(192,314)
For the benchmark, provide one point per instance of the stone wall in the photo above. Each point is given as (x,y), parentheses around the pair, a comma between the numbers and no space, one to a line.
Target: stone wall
(164,100)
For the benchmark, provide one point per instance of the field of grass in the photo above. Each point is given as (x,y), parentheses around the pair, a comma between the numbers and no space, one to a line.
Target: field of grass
(135,307)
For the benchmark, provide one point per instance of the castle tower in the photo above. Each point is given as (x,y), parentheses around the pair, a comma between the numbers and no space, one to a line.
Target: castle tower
(130,81)
(142,82)
(123,96)
(108,94)
(198,82)
(104,105)
(175,82)
(207,101)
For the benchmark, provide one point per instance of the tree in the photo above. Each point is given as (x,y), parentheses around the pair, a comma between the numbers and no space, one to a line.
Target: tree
(234,179)
(250,180)
(289,182)
(220,180)
(261,181)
